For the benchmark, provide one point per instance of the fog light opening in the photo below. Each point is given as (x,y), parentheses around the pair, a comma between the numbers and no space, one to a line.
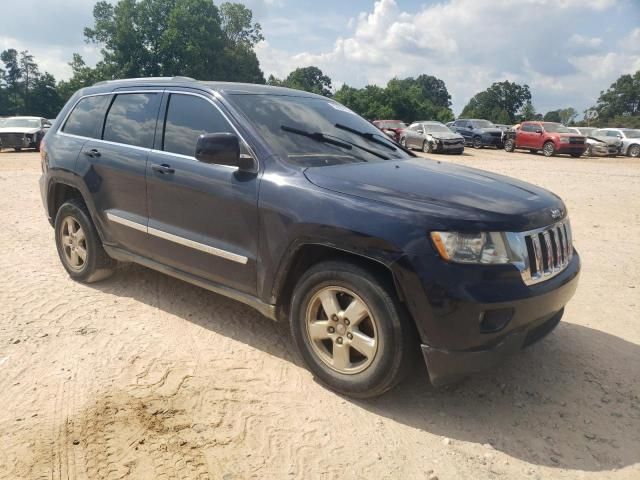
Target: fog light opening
(493,321)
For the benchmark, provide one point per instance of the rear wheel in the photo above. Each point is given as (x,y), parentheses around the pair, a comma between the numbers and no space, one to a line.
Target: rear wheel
(79,246)
(351,330)
(509,145)
(634,151)
(549,149)
(477,142)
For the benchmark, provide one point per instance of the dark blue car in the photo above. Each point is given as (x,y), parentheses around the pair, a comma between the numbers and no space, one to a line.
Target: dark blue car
(478,133)
(293,204)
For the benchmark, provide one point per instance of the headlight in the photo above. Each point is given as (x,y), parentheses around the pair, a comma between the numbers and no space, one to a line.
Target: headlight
(564,140)
(481,248)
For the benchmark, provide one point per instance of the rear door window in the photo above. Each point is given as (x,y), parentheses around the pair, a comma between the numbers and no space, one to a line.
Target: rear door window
(132,119)
(86,118)
(187,118)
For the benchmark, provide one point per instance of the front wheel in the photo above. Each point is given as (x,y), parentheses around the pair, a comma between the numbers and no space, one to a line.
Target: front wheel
(351,330)
(427,147)
(634,151)
(403,142)
(509,145)
(589,151)
(549,149)
(79,246)
(477,142)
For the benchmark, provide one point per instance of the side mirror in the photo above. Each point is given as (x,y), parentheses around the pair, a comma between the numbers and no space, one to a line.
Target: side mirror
(539,130)
(222,149)
(420,131)
(46,125)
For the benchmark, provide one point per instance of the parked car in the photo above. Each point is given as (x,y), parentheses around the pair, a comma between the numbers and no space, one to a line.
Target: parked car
(550,137)
(393,128)
(629,138)
(291,203)
(478,133)
(432,137)
(23,132)
(597,146)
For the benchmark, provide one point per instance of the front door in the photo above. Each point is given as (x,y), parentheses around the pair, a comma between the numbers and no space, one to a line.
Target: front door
(203,218)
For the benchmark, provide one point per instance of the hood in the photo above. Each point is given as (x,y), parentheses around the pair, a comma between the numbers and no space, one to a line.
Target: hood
(452,192)
(489,130)
(609,140)
(445,135)
(19,130)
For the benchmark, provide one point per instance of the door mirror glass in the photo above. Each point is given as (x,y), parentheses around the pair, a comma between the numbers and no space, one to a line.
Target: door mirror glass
(222,149)
(420,131)
(538,130)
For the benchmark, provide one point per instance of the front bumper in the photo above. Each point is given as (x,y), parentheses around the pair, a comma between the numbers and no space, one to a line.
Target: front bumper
(568,148)
(492,140)
(444,147)
(460,346)
(16,140)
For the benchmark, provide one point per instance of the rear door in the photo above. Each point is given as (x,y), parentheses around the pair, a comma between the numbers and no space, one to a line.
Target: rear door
(203,218)
(115,167)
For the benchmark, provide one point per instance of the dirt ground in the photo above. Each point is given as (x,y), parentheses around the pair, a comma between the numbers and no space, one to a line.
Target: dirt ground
(146,377)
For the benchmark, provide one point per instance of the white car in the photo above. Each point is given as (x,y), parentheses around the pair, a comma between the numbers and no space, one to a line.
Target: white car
(23,132)
(601,147)
(629,137)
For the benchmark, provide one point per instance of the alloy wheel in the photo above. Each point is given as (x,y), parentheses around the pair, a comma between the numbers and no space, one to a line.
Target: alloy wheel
(342,330)
(634,151)
(74,243)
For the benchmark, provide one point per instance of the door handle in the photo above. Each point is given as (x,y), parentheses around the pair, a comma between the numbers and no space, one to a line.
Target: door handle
(162,169)
(93,153)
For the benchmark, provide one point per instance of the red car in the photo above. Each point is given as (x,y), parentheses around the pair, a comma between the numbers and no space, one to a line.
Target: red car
(393,128)
(552,138)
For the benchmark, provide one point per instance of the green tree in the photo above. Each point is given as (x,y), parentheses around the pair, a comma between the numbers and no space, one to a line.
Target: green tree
(310,79)
(499,103)
(621,99)
(528,112)
(29,74)
(176,37)
(553,116)
(45,97)
(12,76)
(81,76)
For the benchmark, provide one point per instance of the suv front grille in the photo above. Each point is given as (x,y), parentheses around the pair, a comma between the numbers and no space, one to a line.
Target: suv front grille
(549,251)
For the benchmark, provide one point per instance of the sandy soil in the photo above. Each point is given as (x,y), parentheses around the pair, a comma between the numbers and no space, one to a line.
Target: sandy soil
(146,377)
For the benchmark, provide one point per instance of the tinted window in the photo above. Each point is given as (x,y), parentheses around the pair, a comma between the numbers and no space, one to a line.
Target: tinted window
(611,133)
(132,119)
(528,127)
(188,117)
(86,118)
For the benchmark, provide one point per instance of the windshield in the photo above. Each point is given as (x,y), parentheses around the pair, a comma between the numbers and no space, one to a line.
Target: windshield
(631,133)
(435,127)
(22,122)
(482,124)
(285,122)
(555,128)
(392,124)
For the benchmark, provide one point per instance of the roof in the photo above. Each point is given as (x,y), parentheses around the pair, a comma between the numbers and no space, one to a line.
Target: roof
(230,88)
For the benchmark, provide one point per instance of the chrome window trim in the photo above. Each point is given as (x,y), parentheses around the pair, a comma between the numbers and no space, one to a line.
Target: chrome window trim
(234,257)
(253,155)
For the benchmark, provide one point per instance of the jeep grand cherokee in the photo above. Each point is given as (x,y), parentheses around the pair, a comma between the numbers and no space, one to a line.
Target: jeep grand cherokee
(293,204)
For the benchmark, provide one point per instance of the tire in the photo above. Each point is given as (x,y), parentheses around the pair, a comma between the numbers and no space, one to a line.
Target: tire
(75,233)
(388,332)
(549,149)
(509,145)
(588,151)
(403,142)
(17,149)
(477,142)
(427,147)
(634,151)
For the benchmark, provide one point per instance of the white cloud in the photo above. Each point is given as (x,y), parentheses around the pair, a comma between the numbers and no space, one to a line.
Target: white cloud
(470,46)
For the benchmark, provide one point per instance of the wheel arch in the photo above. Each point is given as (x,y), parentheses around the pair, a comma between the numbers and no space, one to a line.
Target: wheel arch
(307,255)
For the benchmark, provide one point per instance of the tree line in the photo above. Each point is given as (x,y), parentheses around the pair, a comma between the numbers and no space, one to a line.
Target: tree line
(196,38)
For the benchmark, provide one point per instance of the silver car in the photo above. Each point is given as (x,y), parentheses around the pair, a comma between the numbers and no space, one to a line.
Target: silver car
(629,138)
(600,147)
(430,136)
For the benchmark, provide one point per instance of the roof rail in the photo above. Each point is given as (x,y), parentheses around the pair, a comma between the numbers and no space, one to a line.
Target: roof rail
(177,78)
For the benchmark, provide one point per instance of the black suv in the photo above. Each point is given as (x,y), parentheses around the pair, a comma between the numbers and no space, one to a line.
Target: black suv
(293,204)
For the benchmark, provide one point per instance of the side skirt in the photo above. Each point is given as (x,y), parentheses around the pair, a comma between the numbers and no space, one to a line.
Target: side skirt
(265,309)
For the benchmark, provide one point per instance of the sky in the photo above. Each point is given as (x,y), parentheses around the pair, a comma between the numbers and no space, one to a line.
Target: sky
(567,51)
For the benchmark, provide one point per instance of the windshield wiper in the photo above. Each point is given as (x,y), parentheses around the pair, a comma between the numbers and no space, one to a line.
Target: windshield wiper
(326,138)
(372,137)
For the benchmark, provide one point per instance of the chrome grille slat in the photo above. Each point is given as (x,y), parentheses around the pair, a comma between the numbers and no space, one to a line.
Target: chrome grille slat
(549,251)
